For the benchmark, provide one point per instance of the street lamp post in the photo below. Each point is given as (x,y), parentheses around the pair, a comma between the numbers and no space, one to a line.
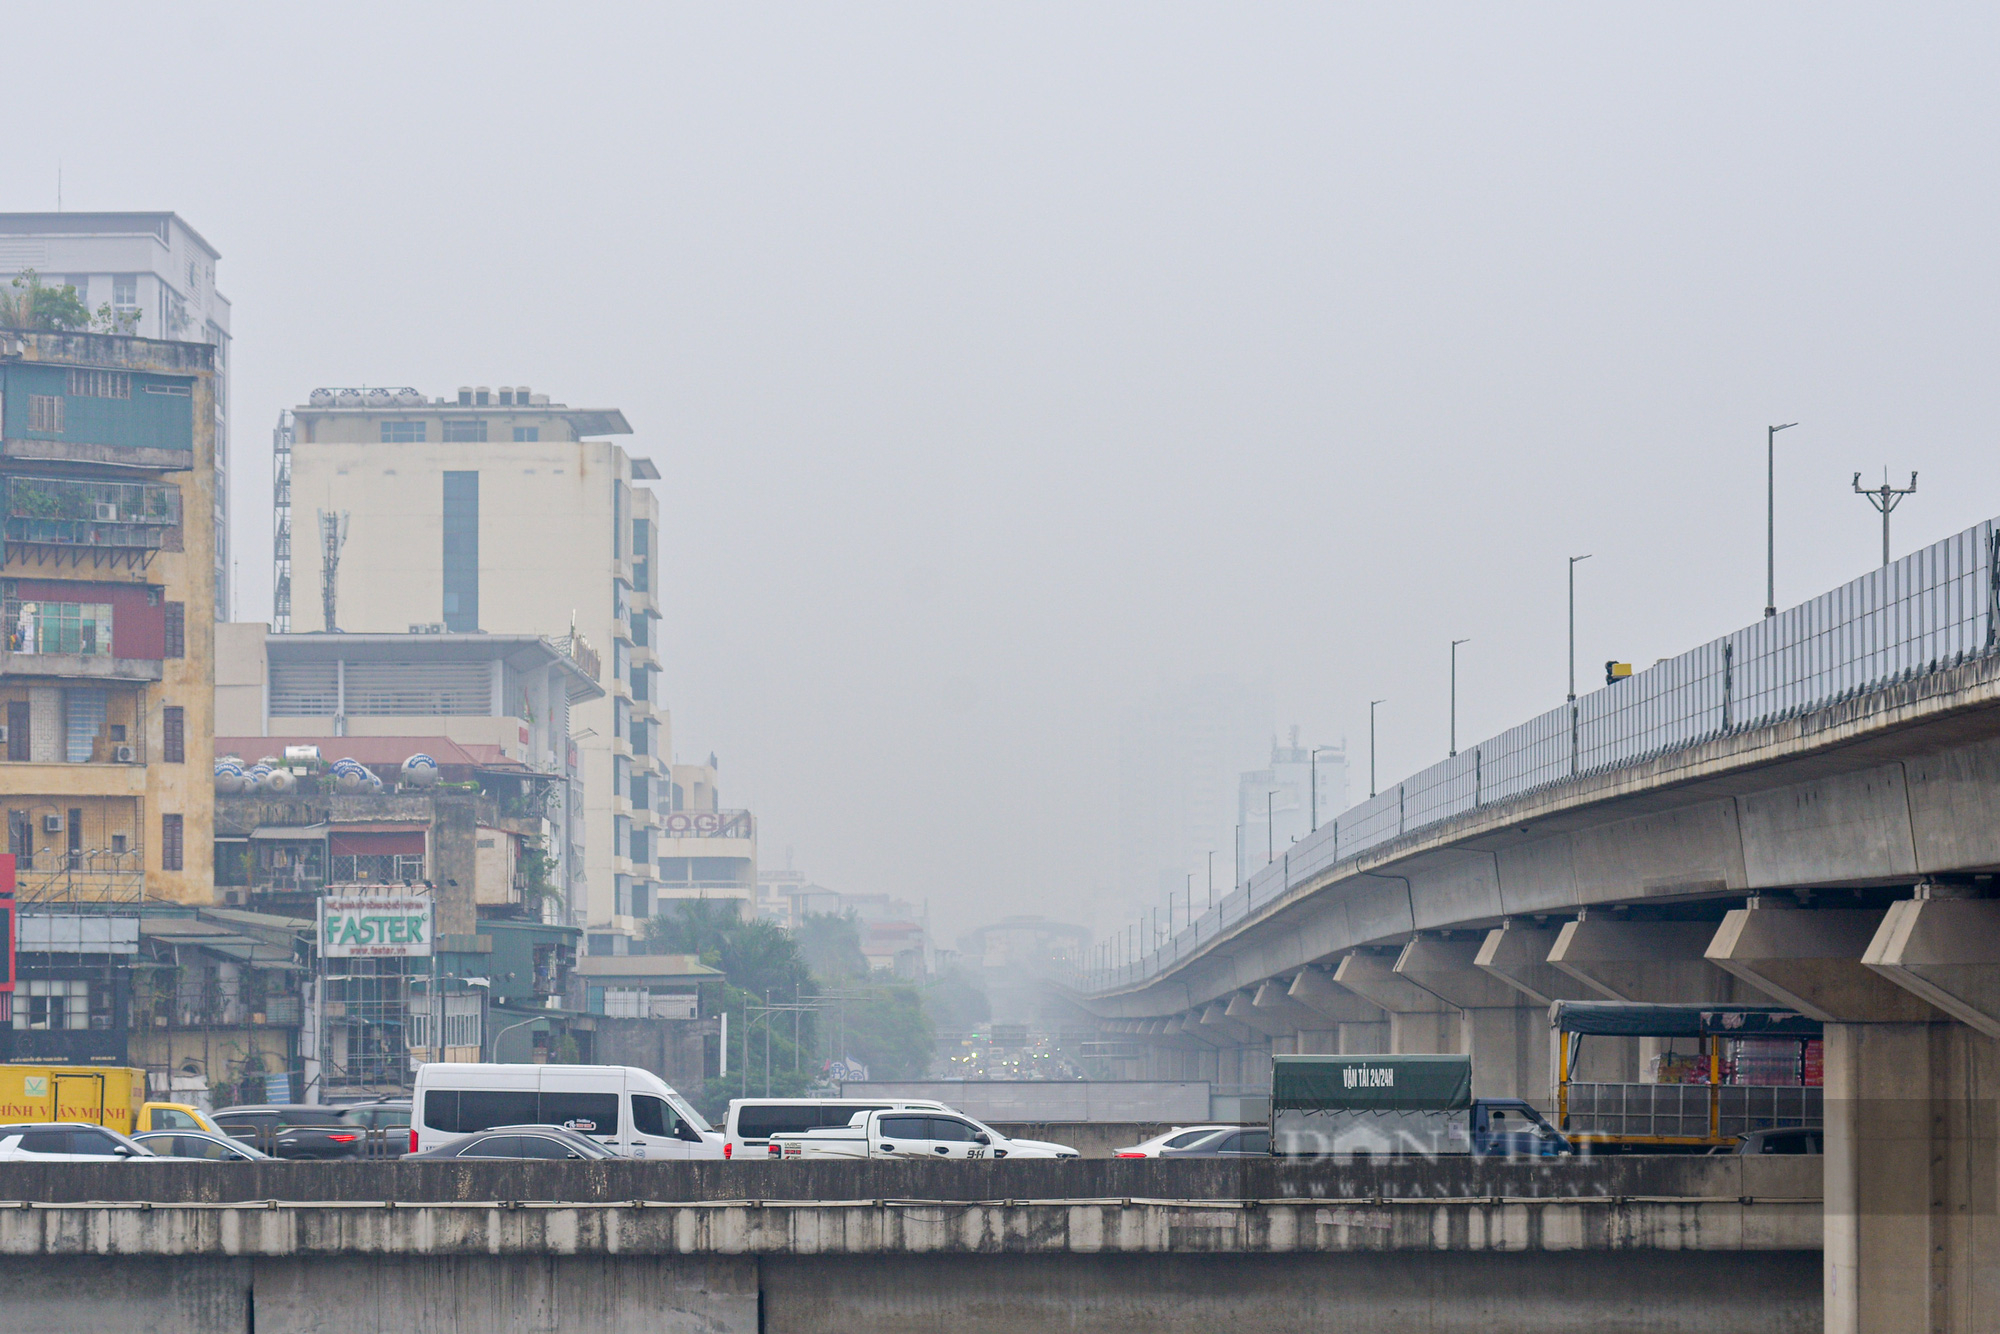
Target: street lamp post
(1572,624)
(1371,744)
(1270,830)
(1211,878)
(1454,692)
(1771,516)
(1314,766)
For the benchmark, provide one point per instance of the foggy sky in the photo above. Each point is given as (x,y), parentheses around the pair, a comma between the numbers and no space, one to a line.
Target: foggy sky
(1007,364)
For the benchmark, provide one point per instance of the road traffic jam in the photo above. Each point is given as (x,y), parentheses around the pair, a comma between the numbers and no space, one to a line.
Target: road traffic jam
(1748,1082)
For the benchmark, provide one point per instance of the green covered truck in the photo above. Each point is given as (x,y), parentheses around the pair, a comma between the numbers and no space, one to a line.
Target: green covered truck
(1391,1105)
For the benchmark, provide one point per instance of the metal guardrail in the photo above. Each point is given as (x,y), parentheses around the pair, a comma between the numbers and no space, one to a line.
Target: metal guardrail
(1930,611)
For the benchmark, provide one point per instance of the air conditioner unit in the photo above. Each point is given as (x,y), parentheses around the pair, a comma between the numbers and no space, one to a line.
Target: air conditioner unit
(51,824)
(232,897)
(107,512)
(124,754)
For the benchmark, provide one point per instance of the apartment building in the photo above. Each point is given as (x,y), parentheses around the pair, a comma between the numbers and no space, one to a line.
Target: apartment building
(107,615)
(501,513)
(158,272)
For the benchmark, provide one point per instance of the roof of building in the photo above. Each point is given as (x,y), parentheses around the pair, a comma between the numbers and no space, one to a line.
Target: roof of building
(634,966)
(99,224)
(522,652)
(371,750)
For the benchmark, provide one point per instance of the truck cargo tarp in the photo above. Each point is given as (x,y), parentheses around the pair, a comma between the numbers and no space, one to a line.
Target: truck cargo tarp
(1636,1019)
(1371,1083)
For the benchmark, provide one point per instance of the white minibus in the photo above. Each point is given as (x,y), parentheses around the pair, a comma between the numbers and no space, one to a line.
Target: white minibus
(630,1111)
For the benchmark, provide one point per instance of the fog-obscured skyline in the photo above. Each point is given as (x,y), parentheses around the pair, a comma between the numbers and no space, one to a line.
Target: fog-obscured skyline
(1010,368)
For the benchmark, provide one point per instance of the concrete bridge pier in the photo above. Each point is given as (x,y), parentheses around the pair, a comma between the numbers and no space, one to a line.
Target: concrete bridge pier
(1508,1041)
(1419,1021)
(1912,1171)
(1359,1028)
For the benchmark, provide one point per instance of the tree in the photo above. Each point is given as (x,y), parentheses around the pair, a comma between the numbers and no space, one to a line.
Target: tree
(831,944)
(956,1002)
(29,305)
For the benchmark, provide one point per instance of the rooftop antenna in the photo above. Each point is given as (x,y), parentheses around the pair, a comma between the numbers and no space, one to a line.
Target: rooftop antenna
(332,537)
(1885,498)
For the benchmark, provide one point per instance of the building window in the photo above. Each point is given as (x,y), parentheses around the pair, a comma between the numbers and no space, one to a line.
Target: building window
(59,627)
(57,1003)
(403,433)
(19,734)
(100,384)
(124,290)
(527,433)
(639,854)
(464,431)
(461,548)
(177,630)
(170,843)
(174,738)
(45,412)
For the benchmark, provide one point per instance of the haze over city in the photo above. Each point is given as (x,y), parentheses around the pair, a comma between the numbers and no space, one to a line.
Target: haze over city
(1009,369)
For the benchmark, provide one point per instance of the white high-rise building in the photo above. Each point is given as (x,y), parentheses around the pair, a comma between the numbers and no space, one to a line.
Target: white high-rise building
(1274,805)
(155,266)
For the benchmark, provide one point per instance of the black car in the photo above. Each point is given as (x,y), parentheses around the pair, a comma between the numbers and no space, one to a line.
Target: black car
(384,1124)
(545,1142)
(288,1130)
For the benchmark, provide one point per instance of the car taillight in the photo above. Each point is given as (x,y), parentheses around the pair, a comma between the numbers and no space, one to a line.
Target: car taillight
(728,1150)
(413,1140)
(1131,1155)
(343,1139)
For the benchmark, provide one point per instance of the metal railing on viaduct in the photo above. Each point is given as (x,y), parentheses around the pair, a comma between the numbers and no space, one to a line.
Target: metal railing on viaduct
(1932,610)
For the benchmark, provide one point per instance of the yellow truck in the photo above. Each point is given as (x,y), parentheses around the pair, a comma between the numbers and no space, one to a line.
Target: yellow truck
(104,1095)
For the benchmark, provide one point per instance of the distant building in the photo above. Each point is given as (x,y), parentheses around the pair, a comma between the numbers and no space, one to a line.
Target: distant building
(107,615)
(1274,804)
(501,513)
(1178,761)
(154,266)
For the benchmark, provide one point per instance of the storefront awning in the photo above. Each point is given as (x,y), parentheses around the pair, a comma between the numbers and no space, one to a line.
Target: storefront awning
(273,833)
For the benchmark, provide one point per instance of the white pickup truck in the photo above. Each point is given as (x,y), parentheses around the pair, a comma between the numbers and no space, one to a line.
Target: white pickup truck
(912,1134)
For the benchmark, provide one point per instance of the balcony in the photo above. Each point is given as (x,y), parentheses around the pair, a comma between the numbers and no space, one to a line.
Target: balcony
(52,875)
(55,521)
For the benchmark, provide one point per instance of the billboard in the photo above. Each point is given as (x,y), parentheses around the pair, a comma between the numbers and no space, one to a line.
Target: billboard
(375,926)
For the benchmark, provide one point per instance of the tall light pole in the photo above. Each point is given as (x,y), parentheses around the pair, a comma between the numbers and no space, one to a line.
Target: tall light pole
(1572,625)
(1885,498)
(1270,830)
(1454,692)
(1314,766)
(1371,744)
(1211,878)
(1771,517)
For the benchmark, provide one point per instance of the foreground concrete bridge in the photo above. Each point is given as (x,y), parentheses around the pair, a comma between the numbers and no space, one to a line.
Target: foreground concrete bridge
(1721,1244)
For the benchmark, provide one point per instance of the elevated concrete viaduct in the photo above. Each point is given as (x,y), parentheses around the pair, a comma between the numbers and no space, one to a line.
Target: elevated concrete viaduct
(1837,857)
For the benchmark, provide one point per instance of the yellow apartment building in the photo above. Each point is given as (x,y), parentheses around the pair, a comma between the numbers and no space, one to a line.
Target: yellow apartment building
(107,616)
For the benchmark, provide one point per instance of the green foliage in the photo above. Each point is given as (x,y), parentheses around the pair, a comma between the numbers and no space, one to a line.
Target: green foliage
(757,956)
(27,304)
(889,1033)
(831,944)
(534,865)
(109,321)
(565,1051)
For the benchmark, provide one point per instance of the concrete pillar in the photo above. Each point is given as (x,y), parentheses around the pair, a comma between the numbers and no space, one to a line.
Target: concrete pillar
(1364,1039)
(1228,1033)
(1508,1041)
(1352,1026)
(1419,1021)
(1911,1179)
(1260,1022)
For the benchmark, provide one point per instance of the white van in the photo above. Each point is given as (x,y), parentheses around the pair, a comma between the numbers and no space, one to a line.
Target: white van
(630,1111)
(752,1121)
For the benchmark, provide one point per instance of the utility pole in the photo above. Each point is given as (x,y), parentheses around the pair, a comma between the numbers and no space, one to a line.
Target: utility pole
(1454,692)
(1211,878)
(1885,498)
(1572,625)
(1371,744)
(1771,516)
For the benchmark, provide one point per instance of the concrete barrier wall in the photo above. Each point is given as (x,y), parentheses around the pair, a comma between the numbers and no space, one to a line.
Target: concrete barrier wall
(1670,1177)
(1631,1293)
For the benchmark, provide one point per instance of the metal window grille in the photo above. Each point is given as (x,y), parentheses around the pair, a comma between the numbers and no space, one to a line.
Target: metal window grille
(176,633)
(170,843)
(45,412)
(173,736)
(100,384)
